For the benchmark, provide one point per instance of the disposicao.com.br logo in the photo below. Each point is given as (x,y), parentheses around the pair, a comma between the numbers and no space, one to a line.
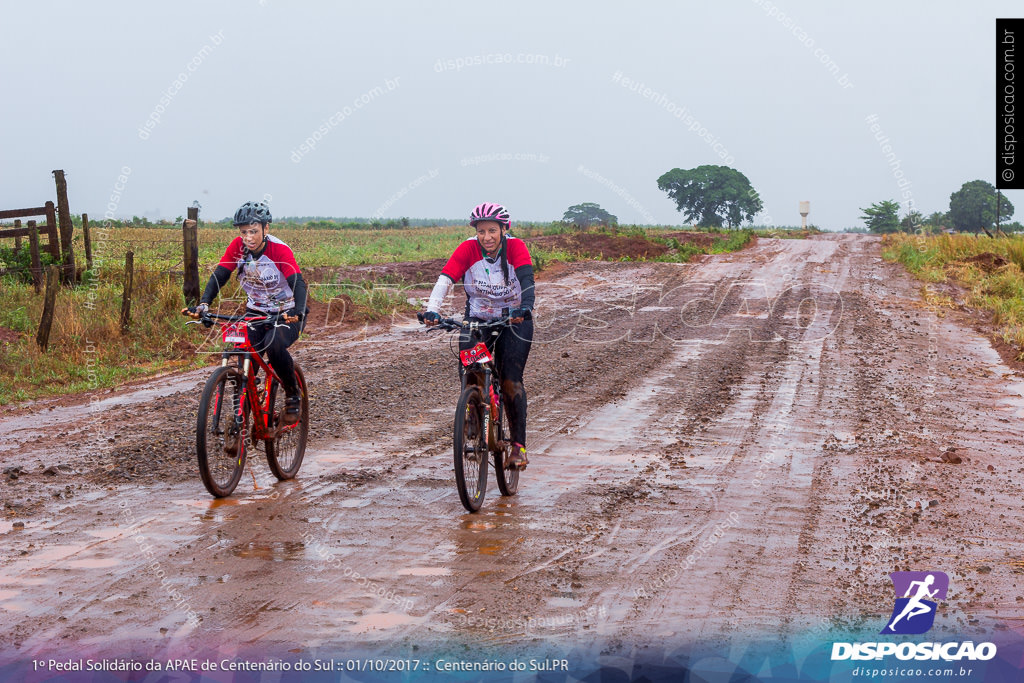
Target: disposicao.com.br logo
(915,611)
(918,596)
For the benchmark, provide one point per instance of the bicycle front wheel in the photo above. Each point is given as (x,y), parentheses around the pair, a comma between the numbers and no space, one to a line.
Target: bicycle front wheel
(508,480)
(470,448)
(221,430)
(285,450)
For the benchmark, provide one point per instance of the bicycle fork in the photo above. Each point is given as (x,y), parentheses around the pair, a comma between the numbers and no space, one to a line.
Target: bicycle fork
(493,414)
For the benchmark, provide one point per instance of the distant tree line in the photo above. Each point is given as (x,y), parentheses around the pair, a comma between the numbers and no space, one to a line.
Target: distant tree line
(975,207)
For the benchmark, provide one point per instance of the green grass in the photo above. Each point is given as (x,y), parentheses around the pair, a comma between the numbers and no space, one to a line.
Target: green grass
(88,351)
(683,251)
(990,286)
(86,347)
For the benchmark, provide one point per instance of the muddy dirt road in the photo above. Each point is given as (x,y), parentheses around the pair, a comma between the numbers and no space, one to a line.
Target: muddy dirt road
(744,446)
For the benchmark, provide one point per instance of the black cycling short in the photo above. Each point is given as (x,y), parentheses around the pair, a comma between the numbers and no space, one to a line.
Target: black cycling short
(275,342)
(511,348)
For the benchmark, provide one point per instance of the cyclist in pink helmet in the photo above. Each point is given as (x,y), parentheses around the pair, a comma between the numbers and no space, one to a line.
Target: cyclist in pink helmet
(497,274)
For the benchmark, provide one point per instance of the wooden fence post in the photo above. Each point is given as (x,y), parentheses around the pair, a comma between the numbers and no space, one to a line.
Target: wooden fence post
(190,241)
(52,285)
(33,248)
(126,299)
(51,228)
(88,241)
(67,228)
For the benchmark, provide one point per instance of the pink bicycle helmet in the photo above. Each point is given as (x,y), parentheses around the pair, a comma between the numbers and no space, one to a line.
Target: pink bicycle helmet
(490,212)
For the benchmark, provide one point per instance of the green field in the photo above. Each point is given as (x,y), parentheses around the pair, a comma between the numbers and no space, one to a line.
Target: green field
(88,351)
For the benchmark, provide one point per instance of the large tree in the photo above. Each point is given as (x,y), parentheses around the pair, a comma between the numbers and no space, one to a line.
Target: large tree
(587,214)
(882,216)
(711,195)
(973,206)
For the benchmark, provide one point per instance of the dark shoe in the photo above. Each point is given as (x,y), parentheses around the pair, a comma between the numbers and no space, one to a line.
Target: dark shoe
(292,409)
(517,458)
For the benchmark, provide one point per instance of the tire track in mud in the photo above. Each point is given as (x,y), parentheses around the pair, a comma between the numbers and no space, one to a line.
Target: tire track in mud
(651,412)
(372,385)
(765,401)
(726,362)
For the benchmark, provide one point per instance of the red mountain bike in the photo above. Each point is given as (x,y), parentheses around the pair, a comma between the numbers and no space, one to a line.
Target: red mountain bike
(234,408)
(481,422)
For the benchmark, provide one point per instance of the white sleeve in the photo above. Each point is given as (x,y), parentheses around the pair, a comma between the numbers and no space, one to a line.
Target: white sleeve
(441,288)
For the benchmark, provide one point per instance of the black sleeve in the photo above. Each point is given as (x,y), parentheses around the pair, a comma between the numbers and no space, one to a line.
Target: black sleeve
(220,277)
(298,285)
(525,275)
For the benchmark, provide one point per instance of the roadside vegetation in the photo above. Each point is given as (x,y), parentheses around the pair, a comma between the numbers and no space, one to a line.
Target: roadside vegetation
(989,270)
(88,350)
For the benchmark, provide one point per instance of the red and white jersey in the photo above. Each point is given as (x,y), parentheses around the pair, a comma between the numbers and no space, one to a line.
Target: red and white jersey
(483,279)
(264,279)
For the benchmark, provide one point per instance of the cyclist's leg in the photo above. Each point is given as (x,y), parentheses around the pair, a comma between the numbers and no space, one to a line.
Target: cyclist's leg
(273,342)
(279,339)
(276,341)
(510,354)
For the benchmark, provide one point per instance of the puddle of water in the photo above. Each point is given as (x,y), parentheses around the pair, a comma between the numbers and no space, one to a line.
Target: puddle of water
(490,549)
(597,442)
(94,563)
(425,571)
(384,620)
(62,416)
(57,552)
(342,455)
(8,594)
(1015,402)
(106,534)
(350,454)
(212,504)
(354,503)
(562,603)
(476,527)
(278,552)
(14,606)
(24,580)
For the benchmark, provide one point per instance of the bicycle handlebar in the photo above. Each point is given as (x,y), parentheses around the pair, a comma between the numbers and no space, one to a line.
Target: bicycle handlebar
(206,318)
(453,325)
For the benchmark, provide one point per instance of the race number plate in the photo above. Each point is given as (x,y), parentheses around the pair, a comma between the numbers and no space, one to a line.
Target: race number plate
(235,333)
(477,354)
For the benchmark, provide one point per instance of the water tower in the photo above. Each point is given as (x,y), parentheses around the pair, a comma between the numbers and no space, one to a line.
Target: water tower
(805,208)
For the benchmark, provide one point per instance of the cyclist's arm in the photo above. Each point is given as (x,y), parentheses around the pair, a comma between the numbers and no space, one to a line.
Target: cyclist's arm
(220,277)
(441,288)
(525,275)
(298,285)
(519,258)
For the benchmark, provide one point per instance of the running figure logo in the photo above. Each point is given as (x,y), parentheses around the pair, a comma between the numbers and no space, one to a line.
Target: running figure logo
(915,611)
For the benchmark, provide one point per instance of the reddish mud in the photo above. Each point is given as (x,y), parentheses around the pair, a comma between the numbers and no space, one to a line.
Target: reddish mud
(746,445)
(603,246)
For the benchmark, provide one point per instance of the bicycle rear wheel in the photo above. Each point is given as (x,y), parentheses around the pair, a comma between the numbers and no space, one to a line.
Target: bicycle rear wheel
(470,449)
(222,427)
(285,450)
(508,480)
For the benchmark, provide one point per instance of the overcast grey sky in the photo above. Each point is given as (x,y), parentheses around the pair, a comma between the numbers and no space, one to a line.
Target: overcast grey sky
(515,103)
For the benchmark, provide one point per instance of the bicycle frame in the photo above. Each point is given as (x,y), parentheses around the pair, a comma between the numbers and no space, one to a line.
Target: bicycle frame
(481,358)
(235,332)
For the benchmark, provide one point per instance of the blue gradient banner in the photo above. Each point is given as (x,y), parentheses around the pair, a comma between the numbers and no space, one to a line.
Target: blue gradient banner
(810,659)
